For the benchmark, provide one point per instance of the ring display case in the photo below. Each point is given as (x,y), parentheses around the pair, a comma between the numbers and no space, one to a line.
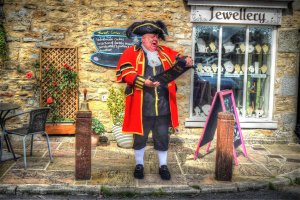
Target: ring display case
(201,45)
(251,48)
(229,67)
(237,69)
(265,48)
(214,68)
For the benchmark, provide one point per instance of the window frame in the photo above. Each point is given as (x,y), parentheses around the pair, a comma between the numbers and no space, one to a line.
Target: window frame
(263,123)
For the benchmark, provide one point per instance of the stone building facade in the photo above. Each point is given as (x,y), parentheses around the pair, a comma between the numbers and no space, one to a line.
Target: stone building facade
(31,24)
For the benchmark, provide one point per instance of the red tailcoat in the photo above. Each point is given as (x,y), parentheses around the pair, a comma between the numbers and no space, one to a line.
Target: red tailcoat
(130,69)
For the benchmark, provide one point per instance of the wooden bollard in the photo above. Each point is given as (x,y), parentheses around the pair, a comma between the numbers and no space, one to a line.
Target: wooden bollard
(224,154)
(83,145)
(83,162)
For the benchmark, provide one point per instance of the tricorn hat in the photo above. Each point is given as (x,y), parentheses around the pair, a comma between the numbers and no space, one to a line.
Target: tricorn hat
(143,27)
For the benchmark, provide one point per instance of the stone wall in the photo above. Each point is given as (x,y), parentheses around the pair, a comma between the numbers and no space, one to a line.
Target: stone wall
(31,24)
(286,75)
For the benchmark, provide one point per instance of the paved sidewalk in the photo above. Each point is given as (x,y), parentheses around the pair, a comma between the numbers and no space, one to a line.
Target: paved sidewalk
(267,166)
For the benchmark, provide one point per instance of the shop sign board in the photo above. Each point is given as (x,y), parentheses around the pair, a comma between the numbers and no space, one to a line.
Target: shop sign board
(223,102)
(236,15)
(110,44)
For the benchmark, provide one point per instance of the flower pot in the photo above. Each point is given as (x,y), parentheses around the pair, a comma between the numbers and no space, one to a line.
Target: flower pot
(94,140)
(60,128)
(123,140)
(103,141)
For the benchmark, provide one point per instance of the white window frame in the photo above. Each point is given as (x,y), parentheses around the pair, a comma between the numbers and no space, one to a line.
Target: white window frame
(262,123)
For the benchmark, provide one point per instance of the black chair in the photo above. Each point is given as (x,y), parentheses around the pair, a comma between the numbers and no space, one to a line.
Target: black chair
(36,125)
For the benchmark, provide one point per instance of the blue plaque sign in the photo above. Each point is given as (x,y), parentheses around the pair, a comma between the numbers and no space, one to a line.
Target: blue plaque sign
(110,44)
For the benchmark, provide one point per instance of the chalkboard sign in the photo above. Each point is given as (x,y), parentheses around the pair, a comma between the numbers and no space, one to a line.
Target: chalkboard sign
(230,108)
(223,102)
(110,44)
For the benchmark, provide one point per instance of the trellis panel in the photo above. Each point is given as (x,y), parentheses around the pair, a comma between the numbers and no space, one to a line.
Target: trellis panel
(67,98)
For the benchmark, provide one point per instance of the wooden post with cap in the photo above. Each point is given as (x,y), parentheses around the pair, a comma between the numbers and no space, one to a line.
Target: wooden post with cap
(224,153)
(83,141)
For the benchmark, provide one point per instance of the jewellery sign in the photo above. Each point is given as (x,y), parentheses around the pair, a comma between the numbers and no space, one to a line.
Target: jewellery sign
(110,44)
(235,15)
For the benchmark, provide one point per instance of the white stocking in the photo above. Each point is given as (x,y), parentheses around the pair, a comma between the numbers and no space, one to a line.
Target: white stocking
(139,156)
(162,157)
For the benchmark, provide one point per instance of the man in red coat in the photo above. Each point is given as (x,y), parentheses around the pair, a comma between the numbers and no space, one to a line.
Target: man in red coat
(149,106)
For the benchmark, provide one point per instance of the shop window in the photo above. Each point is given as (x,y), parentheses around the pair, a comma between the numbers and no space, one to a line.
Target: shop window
(237,58)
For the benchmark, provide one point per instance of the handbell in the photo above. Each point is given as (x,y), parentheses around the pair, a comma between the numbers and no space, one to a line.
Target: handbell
(84,105)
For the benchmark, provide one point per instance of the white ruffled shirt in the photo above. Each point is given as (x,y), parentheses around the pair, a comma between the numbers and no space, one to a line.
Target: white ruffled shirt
(152,56)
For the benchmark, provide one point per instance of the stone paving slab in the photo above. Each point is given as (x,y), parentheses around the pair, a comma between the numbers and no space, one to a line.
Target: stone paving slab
(59,163)
(252,185)
(35,153)
(112,178)
(33,163)
(155,180)
(38,177)
(63,153)
(57,189)
(267,166)
(283,148)
(251,170)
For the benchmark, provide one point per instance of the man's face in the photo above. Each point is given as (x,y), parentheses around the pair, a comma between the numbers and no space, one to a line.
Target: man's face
(150,41)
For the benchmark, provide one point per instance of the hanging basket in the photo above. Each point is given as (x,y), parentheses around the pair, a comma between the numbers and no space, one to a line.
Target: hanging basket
(123,140)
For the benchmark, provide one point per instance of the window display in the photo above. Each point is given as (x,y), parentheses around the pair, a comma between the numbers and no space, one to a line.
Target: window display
(258,79)
(236,58)
(205,76)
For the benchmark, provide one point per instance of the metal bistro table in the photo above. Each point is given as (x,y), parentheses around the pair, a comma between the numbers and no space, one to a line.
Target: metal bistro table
(5,108)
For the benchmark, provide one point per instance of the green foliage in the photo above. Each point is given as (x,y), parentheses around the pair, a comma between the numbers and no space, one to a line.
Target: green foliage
(128,194)
(272,186)
(196,187)
(3,45)
(297,181)
(116,105)
(105,191)
(97,126)
(69,79)
(159,193)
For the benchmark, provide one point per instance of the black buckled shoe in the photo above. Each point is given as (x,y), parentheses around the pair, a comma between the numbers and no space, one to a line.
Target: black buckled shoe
(139,171)
(164,172)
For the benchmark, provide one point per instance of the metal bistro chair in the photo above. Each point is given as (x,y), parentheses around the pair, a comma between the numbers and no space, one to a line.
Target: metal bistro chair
(36,125)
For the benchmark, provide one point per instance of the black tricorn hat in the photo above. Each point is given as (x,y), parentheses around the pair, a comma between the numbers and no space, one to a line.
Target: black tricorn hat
(143,27)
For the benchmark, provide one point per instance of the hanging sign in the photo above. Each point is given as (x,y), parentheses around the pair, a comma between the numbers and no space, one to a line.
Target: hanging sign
(223,101)
(110,44)
(235,15)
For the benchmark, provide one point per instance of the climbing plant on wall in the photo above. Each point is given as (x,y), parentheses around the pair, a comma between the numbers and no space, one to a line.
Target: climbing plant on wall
(59,82)
(3,47)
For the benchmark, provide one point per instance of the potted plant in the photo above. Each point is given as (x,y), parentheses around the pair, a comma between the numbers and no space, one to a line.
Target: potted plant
(116,106)
(98,131)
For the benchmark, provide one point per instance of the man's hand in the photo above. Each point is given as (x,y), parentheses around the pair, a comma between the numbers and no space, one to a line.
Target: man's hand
(149,83)
(189,62)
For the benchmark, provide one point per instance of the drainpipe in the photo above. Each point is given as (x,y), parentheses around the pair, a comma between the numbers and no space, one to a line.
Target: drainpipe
(297,129)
